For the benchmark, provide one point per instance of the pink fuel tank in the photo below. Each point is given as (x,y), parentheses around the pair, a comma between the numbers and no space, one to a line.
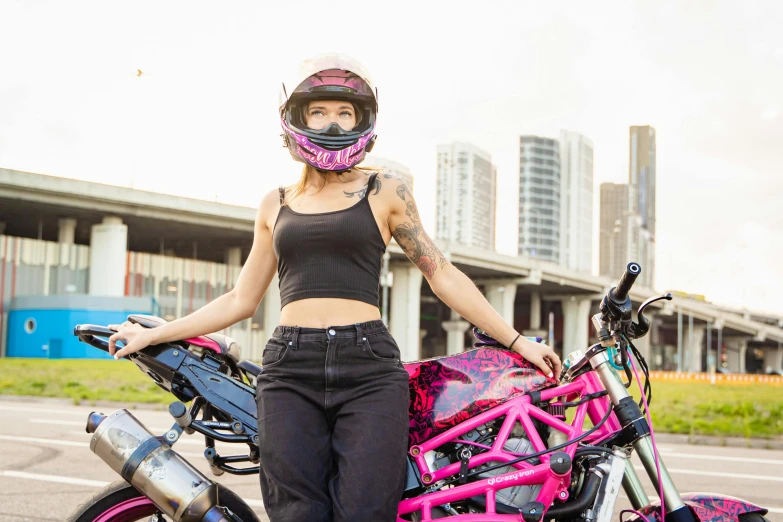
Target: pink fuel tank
(445,391)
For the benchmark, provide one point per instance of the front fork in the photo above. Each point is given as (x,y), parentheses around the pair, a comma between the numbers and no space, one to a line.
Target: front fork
(644,447)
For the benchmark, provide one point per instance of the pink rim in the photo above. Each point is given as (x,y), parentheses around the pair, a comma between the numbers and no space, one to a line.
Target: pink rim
(128,511)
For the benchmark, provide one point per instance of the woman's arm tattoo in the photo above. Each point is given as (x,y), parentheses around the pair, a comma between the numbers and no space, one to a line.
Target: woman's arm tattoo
(413,240)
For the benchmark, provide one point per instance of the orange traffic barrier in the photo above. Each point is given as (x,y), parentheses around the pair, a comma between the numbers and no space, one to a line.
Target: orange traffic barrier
(732,379)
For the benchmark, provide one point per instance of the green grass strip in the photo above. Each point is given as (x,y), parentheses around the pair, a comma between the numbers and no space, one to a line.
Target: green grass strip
(81,380)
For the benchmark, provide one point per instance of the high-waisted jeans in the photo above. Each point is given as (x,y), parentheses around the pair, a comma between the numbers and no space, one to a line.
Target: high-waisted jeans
(333,424)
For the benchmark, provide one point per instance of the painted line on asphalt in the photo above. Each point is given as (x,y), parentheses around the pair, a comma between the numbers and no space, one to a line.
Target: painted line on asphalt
(52,478)
(747,460)
(58,422)
(84,482)
(85,444)
(84,424)
(56,442)
(83,413)
(719,474)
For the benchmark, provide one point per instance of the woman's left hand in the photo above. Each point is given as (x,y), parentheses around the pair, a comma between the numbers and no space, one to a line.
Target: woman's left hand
(543,356)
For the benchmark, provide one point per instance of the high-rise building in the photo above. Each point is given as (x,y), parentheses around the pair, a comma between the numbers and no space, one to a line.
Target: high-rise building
(390,167)
(539,198)
(627,228)
(576,201)
(622,237)
(613,229)
(466,195)
(641,180)
(641,175)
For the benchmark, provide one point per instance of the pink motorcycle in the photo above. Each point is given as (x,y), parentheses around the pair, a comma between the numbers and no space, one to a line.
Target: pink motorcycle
(489,436)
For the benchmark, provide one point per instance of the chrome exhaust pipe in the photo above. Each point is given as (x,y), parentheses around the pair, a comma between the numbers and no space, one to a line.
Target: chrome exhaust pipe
(178,489)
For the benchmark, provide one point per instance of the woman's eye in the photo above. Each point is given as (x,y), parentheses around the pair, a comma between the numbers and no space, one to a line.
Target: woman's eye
(316,113)
(346,114)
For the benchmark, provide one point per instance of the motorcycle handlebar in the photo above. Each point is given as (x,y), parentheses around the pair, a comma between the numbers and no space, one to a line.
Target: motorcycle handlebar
(93,335)
(620,293)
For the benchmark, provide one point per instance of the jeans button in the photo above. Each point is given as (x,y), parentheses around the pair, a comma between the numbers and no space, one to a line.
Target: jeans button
(331,331)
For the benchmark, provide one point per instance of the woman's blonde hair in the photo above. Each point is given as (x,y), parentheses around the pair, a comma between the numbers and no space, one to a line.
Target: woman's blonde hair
(301,185)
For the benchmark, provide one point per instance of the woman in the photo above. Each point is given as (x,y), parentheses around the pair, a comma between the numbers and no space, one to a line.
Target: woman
(333,396)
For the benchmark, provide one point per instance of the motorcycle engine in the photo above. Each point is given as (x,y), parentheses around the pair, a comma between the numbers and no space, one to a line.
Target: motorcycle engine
(516,496)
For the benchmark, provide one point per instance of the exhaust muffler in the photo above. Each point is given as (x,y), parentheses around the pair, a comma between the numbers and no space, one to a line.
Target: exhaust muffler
(177,488)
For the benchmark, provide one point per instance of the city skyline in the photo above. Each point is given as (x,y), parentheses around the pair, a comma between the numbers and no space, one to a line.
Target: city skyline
(202,120)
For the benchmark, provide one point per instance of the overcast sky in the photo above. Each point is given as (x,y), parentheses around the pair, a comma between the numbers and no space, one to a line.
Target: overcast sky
(201,121)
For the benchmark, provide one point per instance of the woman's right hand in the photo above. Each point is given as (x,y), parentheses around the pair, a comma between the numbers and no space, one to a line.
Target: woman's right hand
(135,337)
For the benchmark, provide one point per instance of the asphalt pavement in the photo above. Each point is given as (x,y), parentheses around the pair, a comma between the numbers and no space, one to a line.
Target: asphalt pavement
(47,468)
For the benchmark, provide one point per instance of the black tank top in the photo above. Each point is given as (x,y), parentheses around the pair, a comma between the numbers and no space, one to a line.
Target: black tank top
(329,254)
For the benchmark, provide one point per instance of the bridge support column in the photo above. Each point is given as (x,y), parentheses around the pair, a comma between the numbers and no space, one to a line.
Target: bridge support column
(455,337)
(405,309)
(535,311)
(66,235)
(743,353)
(108,257)
(773,358)
(576,318)
(66,230)
(233,258)
(502,297)
(535,318)
(695,348)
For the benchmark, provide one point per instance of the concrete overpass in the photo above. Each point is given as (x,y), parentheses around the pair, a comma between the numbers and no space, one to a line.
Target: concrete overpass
(526,292)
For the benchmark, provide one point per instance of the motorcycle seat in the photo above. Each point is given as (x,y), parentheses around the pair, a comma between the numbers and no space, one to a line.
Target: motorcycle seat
(218,343)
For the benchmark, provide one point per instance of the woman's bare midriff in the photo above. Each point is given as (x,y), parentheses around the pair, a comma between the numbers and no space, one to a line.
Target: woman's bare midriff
(324,312)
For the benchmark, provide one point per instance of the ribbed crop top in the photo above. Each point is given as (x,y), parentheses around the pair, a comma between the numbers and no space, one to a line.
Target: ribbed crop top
(329,254)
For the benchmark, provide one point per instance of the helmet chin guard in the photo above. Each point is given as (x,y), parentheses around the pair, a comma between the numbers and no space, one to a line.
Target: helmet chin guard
(329,77)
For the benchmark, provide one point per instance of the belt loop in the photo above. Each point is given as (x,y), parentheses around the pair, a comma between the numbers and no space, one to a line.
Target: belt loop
(295,338)
(358,334)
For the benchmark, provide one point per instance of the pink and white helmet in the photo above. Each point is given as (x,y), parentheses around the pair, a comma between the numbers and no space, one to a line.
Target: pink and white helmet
(333,77)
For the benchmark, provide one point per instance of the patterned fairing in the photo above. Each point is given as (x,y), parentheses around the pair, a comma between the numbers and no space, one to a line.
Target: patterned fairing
(448,390)
(707,507)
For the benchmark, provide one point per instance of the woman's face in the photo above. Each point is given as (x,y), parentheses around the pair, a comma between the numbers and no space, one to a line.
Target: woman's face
(322,113)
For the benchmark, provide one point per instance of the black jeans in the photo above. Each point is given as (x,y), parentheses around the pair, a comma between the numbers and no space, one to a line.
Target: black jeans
(333,424)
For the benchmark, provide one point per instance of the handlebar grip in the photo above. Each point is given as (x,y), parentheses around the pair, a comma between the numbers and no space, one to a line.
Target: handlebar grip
(93,335)
(620,292)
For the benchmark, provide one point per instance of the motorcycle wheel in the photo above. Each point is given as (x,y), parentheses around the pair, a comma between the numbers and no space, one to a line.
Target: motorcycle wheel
(121,502)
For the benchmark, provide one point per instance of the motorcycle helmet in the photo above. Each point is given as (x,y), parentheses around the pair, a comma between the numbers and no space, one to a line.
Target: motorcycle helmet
(329,77)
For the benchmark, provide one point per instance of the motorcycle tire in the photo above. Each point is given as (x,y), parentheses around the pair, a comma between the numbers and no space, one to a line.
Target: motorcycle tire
(121,502)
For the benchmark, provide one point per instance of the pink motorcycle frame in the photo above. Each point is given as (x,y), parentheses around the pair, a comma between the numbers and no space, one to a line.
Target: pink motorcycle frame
(520,409)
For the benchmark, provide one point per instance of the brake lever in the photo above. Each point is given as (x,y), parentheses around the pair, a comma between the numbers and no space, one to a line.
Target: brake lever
(641,328)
